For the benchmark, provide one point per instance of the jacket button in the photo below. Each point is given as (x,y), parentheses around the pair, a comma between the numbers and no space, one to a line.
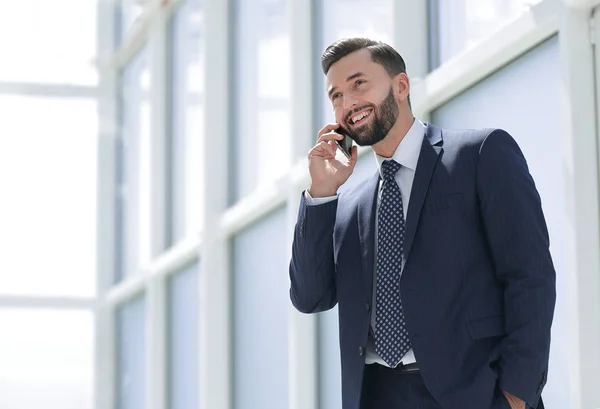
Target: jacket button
(361,351)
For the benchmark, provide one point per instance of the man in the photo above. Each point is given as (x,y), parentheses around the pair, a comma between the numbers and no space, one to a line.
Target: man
(439,263)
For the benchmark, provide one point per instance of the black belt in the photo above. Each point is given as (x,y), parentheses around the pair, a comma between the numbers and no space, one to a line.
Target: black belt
(406,368)
(400,368)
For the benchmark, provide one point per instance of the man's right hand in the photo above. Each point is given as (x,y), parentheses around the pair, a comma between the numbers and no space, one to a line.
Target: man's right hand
(326,172)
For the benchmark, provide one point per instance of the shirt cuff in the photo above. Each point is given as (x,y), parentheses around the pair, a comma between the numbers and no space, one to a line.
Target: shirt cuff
(313,201)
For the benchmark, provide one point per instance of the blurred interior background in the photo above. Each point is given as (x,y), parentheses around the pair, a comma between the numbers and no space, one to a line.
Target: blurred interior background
(152,158)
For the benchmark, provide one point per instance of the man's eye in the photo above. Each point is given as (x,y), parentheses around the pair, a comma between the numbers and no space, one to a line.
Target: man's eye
(335,96)
(360,82)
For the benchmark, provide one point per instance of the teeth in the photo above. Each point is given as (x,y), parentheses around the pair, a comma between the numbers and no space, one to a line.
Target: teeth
(360,116)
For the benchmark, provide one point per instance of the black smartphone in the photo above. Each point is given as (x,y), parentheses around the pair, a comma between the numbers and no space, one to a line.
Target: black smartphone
(345,144)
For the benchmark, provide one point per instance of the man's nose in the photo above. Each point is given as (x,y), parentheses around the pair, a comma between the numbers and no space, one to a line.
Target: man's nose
(349,102)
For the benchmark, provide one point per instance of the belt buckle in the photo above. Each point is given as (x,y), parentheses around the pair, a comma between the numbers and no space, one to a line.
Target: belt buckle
(407,368)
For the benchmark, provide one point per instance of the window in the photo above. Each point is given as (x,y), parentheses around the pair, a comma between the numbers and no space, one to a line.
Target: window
(48,174)
(187,118)
(356,18)
(261,306)
(42,42)
(133,170)
(518,99)
(456,25)
(47,359)
(131,355)
(261,138)
(184,339)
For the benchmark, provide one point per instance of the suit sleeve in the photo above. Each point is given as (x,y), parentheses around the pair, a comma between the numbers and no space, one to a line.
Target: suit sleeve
(518,239)
(312,269)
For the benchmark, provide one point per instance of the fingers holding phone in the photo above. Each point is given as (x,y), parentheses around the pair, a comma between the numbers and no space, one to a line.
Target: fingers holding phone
(336,136)
(328,173)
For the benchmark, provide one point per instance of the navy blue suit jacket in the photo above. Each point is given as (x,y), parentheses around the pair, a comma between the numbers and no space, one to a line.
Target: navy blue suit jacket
(478,285)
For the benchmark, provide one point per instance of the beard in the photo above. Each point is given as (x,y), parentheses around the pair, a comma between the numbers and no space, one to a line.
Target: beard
(383,119)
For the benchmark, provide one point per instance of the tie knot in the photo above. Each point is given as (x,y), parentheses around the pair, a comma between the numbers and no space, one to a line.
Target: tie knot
(389,169)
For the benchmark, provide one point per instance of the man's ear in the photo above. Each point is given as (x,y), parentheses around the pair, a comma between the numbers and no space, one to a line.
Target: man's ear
(403,84)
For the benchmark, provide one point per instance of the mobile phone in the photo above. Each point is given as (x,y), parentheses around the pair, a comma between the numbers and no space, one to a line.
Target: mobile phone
(345,144)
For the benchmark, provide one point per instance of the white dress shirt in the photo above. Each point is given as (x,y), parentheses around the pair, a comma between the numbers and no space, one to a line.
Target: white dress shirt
(407,155)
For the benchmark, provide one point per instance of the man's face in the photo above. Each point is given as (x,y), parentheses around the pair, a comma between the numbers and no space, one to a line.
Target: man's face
(362,96)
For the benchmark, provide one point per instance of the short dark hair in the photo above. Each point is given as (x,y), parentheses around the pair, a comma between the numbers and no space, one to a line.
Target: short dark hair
(381,53)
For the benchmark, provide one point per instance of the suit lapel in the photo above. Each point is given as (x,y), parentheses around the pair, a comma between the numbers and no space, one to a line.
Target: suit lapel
(366,227)
(428,158)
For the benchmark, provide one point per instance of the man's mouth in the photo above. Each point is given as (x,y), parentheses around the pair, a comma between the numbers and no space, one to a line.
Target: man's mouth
(360,118)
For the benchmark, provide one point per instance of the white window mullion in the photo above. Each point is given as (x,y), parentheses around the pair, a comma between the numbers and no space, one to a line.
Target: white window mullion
(303,349)
(156,293)
(215,389)
(159,103)
(411,34)
(105,357)
(105,327)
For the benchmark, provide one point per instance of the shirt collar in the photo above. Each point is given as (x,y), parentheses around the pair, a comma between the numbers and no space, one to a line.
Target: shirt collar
(408,150)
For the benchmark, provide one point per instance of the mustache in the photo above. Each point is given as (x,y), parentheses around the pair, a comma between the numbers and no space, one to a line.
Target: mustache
(355,110)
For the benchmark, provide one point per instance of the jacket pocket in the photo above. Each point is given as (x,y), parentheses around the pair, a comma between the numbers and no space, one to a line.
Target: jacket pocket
(486,327)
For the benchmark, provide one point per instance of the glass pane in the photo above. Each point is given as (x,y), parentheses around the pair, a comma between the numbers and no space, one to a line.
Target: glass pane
(48,41)
(134,173)
(261,142)
(517,98)
(48,176)
(131,353)
(187,115)
(47,359)
(357,18)
(261,306)
(353,18)
(462,23)
(184,339)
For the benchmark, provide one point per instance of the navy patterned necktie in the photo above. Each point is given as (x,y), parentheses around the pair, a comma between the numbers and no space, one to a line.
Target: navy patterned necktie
(391,337)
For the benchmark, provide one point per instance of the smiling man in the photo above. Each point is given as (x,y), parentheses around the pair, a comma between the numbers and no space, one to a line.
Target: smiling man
(439,262)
